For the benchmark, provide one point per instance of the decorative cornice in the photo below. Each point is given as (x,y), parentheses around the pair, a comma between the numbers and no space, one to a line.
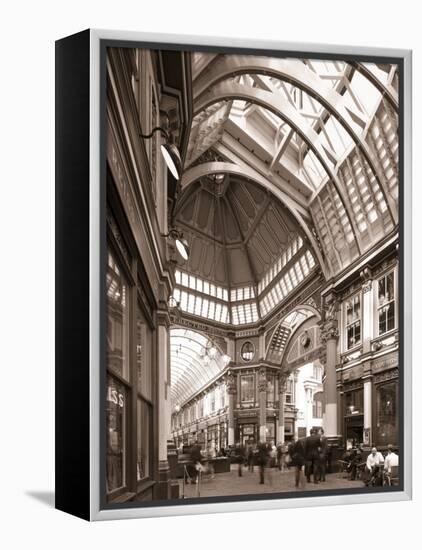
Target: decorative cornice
(385,376)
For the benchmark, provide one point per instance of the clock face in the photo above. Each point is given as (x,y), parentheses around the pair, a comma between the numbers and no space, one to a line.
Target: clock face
(305,339)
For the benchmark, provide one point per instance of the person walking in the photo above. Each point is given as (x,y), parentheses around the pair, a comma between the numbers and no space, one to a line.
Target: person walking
(250,454)
(240,452)
(296,452)
(312,460)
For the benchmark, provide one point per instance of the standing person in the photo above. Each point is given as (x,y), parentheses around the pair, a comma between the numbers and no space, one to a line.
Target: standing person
(250,453)
(312,460)
(323,451)
(296,451)
(262,459)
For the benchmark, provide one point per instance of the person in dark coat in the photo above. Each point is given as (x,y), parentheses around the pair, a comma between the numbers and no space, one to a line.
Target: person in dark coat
(312,459)
(196,461)
(296,451)
(250,454)
(262,459)
(240,453)
(323,453)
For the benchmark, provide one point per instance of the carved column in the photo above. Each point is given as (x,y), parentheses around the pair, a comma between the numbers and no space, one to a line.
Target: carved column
(231,390)
(262,392)
(281,405)
(329,338)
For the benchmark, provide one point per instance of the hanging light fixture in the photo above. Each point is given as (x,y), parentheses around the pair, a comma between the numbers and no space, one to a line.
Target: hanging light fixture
(169,151)
(182,244)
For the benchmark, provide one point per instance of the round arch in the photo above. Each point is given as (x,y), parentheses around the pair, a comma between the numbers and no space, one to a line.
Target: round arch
(189,373)
(288,325)
(282,108)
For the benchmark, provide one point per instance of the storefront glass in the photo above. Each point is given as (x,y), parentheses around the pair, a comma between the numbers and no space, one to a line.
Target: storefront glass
(386,303)
(387,417)
(143,353)
(116,411)
(143,437)
(117,320)
(247,388)
(270,390)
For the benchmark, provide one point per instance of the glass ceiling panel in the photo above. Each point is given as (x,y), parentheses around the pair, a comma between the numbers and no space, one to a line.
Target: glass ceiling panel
(189,371)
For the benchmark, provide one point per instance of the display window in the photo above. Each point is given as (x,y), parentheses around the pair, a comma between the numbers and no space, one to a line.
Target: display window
(247,388)
(353,322)
(386,303)
(387,414)
(116,422)
(117,320)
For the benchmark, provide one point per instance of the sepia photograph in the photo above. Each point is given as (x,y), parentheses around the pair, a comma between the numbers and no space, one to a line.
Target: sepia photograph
(252,292)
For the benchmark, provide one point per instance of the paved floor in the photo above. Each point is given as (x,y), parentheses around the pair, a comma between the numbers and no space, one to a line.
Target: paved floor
(231,483)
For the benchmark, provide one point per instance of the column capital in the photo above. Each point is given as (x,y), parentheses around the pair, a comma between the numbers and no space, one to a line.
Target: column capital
(163,318)
(282,380)
(230,383)
(366,276)
(329,330)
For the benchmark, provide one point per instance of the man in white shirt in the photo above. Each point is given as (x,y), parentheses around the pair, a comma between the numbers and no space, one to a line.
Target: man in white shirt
(373,462)
(391,460)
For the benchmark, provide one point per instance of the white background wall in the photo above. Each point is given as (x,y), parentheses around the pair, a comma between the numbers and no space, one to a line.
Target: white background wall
(27,37)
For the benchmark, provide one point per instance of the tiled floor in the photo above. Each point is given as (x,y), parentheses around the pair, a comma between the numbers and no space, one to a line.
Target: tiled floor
(231,483)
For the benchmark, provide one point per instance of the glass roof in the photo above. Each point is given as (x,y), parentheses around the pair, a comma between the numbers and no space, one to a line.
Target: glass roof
(324,132)
(190,370)
(203,299)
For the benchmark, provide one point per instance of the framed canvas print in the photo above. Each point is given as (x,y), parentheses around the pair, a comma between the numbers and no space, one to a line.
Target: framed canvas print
(233,275)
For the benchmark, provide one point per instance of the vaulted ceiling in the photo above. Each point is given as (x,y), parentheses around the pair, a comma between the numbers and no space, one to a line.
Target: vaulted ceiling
(237,229)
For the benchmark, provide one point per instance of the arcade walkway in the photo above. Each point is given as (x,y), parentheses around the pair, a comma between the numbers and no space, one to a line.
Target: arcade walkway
(227,484)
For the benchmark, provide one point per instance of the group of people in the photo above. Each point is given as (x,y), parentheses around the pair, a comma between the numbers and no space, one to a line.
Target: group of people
(309,455)
(379,468)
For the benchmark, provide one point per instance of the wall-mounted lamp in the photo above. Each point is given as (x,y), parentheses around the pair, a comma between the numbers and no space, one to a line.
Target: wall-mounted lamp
(182,244)
(169,151)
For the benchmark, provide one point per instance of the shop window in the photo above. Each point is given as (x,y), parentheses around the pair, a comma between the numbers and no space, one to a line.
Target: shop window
(143,354)
(353,321)
(270,432)
(387,417)
(144,425)
(289,391)
(117,320)
(247,389)
(354,402)
(116,413)
(270,389)
(386,303)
